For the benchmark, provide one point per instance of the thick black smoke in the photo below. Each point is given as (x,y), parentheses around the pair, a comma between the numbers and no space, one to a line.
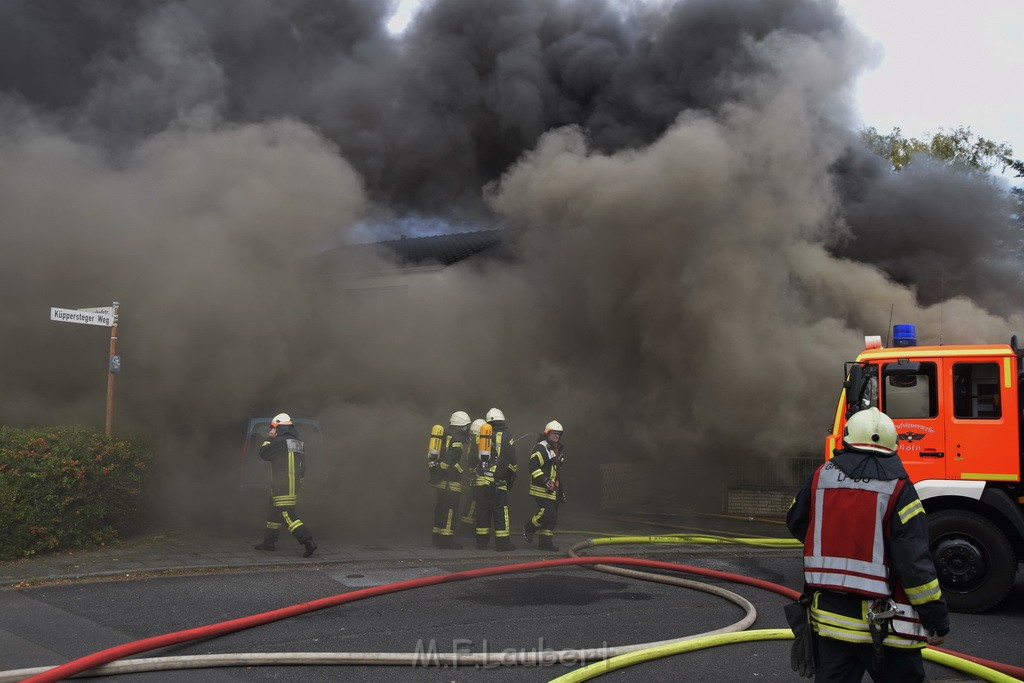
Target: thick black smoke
(701,241)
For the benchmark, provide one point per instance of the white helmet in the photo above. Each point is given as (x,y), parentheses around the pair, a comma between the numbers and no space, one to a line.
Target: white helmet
(475,427)
(871,430)
(494,414)
(281,419)
(553,426)
(460,418)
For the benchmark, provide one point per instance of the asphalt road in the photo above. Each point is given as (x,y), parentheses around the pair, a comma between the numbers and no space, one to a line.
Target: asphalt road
(562,608)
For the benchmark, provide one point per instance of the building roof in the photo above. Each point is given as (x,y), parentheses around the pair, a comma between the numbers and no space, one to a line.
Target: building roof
(435,251)
(443,249)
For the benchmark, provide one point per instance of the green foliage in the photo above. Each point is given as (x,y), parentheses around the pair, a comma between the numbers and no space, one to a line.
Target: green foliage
(959,147)
(67,487)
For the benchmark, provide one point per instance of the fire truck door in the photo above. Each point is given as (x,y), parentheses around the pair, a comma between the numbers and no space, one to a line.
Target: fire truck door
(982,437)
(910,396)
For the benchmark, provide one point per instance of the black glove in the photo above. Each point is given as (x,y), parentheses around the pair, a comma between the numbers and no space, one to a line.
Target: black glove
(801,655)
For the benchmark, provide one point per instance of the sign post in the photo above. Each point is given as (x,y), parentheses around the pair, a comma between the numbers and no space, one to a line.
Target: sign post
(112,369)
(107,317)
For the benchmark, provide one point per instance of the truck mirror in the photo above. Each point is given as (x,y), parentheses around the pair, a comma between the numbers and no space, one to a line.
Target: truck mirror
(902,367)
(902,373)
(856,382)
(853,371)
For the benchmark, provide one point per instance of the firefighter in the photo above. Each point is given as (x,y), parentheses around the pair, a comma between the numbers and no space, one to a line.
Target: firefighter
(874,597)
(284,450)
(496,474)
(545,487)
(467,521)
(448,480)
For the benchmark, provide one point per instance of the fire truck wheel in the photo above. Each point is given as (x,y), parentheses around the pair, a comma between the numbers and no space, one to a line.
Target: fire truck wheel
(974,559)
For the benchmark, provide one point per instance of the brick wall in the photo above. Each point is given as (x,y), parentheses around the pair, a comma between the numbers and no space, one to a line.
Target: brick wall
(764,487)
(758,502)
(756,487)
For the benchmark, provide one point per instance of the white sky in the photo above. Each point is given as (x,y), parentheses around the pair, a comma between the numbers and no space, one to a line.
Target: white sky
(943,64)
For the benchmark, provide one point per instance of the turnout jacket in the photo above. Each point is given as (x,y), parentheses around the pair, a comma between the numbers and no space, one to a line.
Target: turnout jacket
(502,467)
(865,536)
(456,444)
(545,459)
(287,463)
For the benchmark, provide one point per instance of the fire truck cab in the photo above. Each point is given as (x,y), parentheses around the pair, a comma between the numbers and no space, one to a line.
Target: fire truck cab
(957,411)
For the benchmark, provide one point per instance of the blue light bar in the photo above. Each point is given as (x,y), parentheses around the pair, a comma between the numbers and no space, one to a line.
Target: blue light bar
(904,335)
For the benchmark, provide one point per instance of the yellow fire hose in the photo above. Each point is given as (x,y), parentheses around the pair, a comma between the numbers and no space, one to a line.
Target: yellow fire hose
(598,668)
(622,661)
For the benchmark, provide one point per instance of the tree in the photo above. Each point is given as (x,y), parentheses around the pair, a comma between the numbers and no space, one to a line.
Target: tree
(959,147)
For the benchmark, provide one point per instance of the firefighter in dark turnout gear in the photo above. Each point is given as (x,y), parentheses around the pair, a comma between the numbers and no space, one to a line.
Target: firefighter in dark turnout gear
(284,450)
(545,487)
(874,594)
(467,521)
(448,480)
(495,475)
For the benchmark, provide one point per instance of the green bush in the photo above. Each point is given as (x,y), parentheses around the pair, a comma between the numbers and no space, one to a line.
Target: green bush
(68,487)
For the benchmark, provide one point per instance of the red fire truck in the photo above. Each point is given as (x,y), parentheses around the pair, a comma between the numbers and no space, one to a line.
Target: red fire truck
(957,411)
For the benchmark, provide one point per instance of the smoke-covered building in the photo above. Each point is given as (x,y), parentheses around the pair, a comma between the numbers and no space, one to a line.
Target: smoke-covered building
(702,239)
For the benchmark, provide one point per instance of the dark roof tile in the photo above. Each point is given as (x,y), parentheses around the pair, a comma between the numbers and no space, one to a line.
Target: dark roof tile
(412,252)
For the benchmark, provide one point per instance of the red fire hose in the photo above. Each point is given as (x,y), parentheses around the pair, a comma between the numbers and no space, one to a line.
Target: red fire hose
(121,651)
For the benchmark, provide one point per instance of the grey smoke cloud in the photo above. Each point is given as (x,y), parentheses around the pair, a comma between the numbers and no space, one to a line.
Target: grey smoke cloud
(701,241)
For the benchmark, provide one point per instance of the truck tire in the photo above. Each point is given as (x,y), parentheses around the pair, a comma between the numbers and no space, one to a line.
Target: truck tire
(974,559)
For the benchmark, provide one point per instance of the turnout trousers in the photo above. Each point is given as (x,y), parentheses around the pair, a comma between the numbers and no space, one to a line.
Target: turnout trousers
(841,662)
(281,513)
(445,509)
(491,512)
(544,520)
(468,518)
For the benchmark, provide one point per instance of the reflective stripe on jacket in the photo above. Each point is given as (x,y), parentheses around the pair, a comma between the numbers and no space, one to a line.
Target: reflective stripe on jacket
(285,453)
(501,468)
(865,536)
(450,462)
(543,466)
(845,545)
(845,617)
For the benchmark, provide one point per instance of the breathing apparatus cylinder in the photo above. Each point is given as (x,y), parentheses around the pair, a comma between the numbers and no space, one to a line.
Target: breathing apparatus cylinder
(434,452)
(485,442)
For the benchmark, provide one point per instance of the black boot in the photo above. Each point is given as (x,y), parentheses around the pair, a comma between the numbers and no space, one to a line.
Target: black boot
(448,543)
(546,543)
(503,545)
(310,548)
(269,541)
(528,531)
(481,542)
(436,540)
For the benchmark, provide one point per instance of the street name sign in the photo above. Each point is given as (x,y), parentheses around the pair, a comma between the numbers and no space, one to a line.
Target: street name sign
(105,310)
(83,317)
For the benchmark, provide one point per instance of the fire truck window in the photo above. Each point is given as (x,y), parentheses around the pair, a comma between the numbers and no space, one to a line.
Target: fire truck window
(911,396)
(976,391)
(870,396)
